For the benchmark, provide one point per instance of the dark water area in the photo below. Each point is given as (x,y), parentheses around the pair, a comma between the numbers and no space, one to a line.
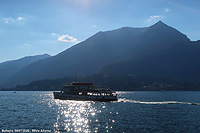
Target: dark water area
(166,111)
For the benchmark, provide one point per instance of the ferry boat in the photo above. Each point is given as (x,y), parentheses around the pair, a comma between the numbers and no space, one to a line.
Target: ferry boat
(85,92)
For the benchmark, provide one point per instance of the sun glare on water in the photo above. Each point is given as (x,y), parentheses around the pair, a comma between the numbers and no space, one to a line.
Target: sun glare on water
(73,116)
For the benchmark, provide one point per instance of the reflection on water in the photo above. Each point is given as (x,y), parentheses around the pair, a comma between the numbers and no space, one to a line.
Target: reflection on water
(73,116)
(82,116)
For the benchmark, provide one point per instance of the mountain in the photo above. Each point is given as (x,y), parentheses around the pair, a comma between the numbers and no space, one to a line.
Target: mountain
(180,61)
(101,50)
(9,68)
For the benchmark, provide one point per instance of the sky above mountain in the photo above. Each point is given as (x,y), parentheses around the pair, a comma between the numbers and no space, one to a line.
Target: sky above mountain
(30,27)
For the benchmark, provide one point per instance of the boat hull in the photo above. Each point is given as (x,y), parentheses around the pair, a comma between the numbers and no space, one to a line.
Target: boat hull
(59,95)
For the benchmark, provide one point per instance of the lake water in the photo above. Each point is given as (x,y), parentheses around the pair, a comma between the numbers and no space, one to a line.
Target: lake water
(134,112)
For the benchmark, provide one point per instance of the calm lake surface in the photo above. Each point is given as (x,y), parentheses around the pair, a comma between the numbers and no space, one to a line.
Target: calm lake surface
(133,112)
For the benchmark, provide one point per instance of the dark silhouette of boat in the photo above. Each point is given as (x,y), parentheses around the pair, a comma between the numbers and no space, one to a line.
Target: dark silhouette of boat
(85,92)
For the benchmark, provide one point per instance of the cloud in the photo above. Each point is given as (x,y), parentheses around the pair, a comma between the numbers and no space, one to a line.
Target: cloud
(67,38)
(166,10)
(151,18)
(12,20)
(7,20)
(54,34)
(19,18)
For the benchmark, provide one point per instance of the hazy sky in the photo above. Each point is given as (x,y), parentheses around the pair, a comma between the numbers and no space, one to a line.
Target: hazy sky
(31,27)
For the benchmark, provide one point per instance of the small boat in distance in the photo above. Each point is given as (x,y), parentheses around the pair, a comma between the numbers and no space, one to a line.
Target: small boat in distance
(83,91)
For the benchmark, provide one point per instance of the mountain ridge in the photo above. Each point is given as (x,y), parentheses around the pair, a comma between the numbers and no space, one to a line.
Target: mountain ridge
(9,68)
(100,50)
(171,63)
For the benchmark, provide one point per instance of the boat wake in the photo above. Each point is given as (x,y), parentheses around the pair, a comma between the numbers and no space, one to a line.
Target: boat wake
(164,102)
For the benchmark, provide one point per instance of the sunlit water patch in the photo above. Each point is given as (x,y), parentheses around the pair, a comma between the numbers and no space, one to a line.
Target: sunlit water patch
(82,116)
(73,115)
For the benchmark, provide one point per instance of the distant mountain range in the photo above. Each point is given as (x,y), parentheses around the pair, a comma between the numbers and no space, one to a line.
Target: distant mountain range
(158,50)
(9,68)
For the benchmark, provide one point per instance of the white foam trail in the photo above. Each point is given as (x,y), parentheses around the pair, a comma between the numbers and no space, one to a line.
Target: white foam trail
(164,102)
